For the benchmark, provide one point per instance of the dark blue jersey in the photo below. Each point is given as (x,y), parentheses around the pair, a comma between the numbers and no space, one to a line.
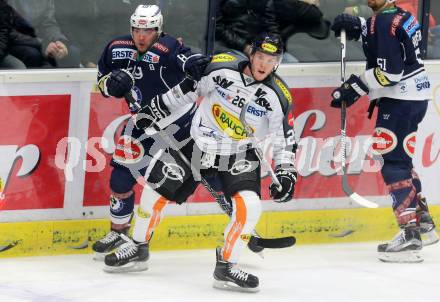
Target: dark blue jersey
(156,71)
(391,41)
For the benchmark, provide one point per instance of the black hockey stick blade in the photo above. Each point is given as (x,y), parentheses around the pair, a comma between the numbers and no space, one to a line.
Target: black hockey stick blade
(271,243)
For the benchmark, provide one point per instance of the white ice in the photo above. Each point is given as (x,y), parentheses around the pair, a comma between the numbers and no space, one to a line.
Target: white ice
(339,272)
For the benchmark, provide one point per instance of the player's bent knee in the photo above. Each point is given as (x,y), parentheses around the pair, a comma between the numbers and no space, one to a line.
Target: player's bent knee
(393,172)
(121,180)
(252,202)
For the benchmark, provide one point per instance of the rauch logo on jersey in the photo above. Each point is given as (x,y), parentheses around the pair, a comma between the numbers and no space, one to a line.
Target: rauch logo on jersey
(229,123)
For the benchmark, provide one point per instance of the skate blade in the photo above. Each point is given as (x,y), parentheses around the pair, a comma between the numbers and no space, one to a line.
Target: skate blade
(128,268)
(261,254)
(401,257)
(231,286)
(99,256)
(430,238)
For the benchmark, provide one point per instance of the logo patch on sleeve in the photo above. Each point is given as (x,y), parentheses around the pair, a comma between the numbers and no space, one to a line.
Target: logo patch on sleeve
(284,89)
(380,77)
(411,26)
(223,57)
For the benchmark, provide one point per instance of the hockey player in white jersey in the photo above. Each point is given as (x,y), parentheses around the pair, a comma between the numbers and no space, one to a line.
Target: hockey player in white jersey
(222,147)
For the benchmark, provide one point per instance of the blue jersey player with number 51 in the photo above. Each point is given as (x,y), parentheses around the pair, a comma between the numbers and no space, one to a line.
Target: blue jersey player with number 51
(397,83)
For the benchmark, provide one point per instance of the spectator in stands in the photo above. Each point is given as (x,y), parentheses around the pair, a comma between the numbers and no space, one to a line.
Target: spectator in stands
(55,45)
(360,9)
(239,21)
(23,48)
(77,22)
(105,18)
(294,16)
(7,61)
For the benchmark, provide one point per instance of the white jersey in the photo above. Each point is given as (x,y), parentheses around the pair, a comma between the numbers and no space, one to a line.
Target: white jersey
(412,87)
(216,127)
(391,40)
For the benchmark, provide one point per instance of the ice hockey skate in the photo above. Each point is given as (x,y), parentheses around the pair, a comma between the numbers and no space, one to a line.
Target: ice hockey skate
(107,244)
(427,229)
(403,248)
(227,276)
(129,257)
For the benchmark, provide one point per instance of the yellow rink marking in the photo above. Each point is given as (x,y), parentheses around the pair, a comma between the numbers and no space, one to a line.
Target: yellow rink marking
(205,231)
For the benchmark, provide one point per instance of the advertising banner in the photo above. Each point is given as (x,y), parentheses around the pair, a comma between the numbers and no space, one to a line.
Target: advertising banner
(31,127)
(35,118)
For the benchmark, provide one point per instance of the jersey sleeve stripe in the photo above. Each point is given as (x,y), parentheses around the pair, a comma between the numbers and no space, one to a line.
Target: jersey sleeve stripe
(377,78)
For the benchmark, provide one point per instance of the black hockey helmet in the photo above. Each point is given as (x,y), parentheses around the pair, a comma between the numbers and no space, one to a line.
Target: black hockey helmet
(271,44)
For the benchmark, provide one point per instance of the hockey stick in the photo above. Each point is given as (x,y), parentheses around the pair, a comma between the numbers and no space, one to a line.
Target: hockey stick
(255,243)
(257,149)
(345,186)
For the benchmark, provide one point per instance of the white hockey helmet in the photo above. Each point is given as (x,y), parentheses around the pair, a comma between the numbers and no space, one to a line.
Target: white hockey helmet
(147,16)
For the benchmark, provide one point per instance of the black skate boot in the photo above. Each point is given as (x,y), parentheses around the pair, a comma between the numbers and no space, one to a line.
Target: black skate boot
(426,223)
(427,228)
(228,276)
(108,243)
(404,247)
(129,257)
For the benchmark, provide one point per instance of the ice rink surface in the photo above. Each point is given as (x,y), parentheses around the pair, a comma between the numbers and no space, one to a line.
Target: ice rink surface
(339,272)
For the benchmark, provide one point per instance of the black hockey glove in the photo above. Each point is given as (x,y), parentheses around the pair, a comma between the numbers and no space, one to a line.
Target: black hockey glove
(119,83)
(350,92)
(351,24)
(151,114)
(195,66)
(287,179)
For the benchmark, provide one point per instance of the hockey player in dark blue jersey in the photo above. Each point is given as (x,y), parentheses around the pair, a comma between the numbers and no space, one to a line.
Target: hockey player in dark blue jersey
(144,64)
(396,81)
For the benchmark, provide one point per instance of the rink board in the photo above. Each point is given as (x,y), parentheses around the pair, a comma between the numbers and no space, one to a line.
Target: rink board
(197,232)
(57,134)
